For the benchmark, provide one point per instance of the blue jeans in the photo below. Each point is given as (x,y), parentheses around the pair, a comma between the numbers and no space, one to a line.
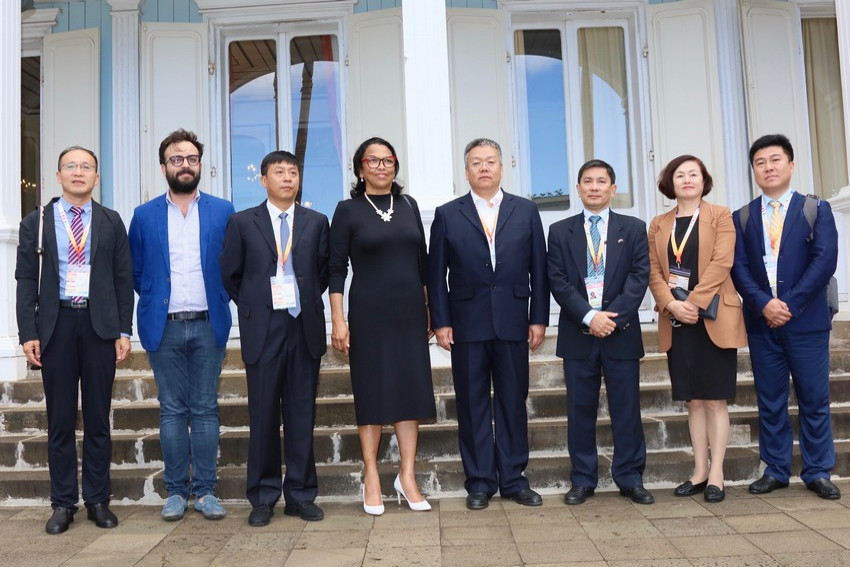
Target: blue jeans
(187,368)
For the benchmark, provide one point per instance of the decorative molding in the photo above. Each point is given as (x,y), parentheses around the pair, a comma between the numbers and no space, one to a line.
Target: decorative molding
(35,24)
(124,5)
(273,11)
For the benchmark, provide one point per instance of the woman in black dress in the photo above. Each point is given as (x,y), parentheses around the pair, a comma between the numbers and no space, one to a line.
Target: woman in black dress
(381,232)
(692,248)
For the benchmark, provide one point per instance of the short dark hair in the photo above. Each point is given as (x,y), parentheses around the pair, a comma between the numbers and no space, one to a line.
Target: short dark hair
(71,149)
(665,180)
(279,156)
(180,135)
(597,163)
(481,142)
(359,186)
(780,140)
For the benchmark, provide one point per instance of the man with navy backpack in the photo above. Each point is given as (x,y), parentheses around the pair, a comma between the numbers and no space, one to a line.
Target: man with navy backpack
(785,254)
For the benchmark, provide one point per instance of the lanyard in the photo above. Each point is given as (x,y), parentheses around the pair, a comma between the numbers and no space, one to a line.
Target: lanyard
(595,255)
(487,230)
(78,248)
(679,248)
(284,256)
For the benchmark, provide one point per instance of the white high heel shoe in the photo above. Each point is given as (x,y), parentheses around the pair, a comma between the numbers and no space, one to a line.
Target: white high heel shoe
(372,510)
(421,506)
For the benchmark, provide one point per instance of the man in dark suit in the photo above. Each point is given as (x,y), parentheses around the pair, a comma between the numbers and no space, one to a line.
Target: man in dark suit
(599,272)
(491,245)
(75,323)
(275,267)
(184,320)
(782,268)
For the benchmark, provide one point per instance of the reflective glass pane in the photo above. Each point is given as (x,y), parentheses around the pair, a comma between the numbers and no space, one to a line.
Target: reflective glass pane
(30,133)
(540,96)
(253,116)
(316,125)
(605,104)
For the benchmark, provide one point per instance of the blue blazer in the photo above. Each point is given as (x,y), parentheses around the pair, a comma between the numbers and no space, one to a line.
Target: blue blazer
(480,303)
(803,269)
(152,266)
(626,280)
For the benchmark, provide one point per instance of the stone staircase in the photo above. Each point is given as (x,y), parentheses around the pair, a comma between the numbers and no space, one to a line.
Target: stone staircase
(137,457)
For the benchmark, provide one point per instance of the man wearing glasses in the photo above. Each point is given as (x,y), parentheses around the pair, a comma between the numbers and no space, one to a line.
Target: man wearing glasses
(75,313)
(184,320)
(496,306)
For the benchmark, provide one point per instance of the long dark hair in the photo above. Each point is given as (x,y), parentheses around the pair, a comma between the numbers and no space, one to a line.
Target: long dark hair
(359,186)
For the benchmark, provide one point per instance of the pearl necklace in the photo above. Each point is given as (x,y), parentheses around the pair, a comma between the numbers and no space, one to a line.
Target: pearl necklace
(387,215)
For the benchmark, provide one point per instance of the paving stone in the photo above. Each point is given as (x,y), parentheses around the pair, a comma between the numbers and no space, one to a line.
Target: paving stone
(640,548)
(619,529)
(792,541)
(758,523)
(480,556)
(352,557)
(104,560)
(339,540)
(714,546)
(814,558)
(702,525)
(15,559)
(488,517)
(378,555)
(255,559)
(557,551)
(124,543)
(530,533)
(178,558)
(819,519)
(194,543)
(245,542)
(841,536)
(651,563)
(470,535)
(405,537)
(679,508)
(737,561)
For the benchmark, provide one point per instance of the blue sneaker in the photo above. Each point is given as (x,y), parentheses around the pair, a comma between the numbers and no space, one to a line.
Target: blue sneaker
(175,507)
(209,506)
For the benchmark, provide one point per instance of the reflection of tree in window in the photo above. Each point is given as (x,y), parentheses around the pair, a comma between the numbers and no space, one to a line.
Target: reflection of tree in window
(30,133)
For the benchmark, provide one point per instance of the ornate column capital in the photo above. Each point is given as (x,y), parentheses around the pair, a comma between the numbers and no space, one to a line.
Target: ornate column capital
(125,5)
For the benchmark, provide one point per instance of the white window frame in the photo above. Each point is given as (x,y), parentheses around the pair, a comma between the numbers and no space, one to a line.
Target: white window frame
(629,16)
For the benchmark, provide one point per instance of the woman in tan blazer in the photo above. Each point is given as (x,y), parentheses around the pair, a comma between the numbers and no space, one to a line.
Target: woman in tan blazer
(692,247)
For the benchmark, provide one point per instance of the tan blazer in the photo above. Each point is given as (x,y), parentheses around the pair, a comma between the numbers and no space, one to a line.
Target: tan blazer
(716,256)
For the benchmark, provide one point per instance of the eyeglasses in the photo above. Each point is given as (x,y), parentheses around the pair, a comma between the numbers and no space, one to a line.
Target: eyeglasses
(177,161)
(71,167)
(478,164)
(373,162)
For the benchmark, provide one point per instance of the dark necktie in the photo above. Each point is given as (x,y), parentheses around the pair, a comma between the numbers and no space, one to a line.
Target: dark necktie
(592,269)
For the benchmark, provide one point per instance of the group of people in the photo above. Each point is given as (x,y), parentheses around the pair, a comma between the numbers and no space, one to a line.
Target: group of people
(481,286)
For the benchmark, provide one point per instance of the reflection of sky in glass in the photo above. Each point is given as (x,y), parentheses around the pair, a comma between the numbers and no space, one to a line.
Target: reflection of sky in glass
(547,129)
(252,130)
(322,183)
(611,133)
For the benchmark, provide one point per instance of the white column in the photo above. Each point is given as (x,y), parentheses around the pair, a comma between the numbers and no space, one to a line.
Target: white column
(12,365)
(125,107)
(733,107)
(842,17)
(426,97)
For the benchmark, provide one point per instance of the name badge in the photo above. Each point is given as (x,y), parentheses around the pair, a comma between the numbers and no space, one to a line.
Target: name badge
(679,277)
(770,264)
(283,292)
(77,281)
(594,290)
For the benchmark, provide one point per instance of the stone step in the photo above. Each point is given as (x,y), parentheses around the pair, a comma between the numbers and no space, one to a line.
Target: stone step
(547,473)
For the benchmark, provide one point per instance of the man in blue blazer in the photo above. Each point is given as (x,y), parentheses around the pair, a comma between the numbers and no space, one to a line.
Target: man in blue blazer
(496,305)
(183,316)
(599,272)
(782,268)
(275,267)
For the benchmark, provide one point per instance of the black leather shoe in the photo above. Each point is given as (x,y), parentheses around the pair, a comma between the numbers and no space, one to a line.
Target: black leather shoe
(305,510)
(714,494)
(578,494)
(824,488)
(102,516)
(260,515)
(59,521)
(688,488)
(766,484)
(526,497)
(477,500)
(638,494)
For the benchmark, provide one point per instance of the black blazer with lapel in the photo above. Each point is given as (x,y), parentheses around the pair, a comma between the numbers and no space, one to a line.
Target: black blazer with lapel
(111,291)
(249,258)
(480,303)
(626,280)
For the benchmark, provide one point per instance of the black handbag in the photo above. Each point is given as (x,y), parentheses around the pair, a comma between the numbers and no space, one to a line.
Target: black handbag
(709,313)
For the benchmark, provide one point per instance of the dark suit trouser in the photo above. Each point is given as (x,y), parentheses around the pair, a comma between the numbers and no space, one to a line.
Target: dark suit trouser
(806,357)
(76,358)
(622,386)
(282,386)
(489,464)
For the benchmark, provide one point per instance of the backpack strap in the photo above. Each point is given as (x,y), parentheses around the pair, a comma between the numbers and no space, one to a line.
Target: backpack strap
(810,211)
(743,217)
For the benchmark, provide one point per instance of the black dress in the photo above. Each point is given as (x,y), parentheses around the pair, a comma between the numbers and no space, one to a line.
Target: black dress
(699,370)
(387,320)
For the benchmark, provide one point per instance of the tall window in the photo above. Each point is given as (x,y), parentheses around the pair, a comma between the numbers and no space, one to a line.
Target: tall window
(30,133)
(826,113)
(306,120)
(573,105)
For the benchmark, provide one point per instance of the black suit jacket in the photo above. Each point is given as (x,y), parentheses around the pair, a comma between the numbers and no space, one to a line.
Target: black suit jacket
(249,258)
(111,291)
(481,303)
(626,280)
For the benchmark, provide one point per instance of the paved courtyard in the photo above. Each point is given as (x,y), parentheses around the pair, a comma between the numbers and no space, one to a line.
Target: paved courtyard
(790,527)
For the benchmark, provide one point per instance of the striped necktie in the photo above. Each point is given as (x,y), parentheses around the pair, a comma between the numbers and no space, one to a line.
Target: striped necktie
(592,268)
(775,227)
(77,257)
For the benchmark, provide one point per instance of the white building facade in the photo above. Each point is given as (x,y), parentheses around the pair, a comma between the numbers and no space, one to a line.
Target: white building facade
(556,82)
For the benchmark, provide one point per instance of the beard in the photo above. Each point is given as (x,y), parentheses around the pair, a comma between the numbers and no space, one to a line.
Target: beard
(183,187)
